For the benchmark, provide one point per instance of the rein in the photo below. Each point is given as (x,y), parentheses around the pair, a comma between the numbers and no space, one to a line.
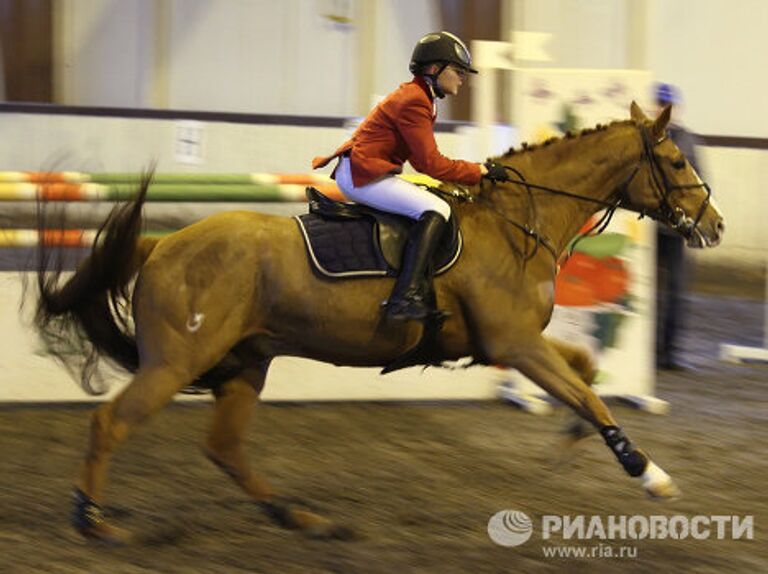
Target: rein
(526,229)
(674,216)
(463,195)
(610,206)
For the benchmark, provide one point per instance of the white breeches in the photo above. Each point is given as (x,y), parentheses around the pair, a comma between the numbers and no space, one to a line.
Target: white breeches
(391,194)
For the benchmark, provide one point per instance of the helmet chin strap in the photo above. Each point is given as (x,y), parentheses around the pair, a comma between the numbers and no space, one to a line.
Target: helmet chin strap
(432,81)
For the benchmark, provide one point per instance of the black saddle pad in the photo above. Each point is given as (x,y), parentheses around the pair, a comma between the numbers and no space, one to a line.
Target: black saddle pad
(349,240)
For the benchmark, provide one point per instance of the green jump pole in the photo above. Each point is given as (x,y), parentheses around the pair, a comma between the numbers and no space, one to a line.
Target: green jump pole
(208,193)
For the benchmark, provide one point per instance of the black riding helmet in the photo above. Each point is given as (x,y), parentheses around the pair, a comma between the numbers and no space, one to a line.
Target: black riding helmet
(440,48)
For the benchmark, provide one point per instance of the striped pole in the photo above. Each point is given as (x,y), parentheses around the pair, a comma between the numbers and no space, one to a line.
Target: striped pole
(190,192)
(132,178)
(56,237)
(53,237)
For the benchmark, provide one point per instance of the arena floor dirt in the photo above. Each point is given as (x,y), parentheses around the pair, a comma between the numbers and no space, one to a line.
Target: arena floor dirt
(417,483)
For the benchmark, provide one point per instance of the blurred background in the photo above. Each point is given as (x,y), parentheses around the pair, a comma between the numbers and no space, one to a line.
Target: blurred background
(281,80)
(329,57)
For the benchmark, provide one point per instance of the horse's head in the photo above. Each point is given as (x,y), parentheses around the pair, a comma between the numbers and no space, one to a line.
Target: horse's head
(667,188)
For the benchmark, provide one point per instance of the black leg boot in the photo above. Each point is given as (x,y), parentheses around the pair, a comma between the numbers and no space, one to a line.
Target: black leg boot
(409,299)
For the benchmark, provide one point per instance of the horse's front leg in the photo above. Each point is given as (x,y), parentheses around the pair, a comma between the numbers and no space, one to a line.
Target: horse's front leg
(542,363)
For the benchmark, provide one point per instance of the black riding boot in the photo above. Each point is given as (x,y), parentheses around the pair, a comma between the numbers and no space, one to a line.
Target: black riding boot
(409,299)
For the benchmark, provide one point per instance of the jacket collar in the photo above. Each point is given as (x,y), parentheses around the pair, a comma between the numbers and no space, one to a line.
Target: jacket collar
(422,83)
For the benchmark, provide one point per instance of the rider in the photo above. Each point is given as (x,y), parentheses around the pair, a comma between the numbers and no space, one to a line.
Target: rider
(400,129)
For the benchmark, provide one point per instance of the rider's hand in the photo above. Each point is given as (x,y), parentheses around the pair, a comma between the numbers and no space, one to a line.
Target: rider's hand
(483,169)
(495,172)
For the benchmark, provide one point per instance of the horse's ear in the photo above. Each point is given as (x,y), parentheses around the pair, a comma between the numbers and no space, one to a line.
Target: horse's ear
(637,114)
(660,125)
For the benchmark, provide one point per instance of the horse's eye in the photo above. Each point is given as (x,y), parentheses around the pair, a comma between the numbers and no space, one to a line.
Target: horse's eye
(679,163)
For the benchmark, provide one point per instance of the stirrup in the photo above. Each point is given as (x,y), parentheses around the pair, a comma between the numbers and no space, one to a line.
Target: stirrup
(407,309)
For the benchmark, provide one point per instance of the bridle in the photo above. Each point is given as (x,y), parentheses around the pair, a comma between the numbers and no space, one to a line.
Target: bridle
(675,217)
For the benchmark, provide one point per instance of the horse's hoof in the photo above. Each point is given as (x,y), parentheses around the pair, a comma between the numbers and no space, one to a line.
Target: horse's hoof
(577,431)
(329,531)
(571,436)
(319,528)
(658,484)
(103,533)
(88,519)
(664,491)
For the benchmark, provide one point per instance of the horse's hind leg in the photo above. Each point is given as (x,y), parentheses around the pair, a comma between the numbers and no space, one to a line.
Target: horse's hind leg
(150,390)
(225,446)
(578,358)
(541,362)
(235,401)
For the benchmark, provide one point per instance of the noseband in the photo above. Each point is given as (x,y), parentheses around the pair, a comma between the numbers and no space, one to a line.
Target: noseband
(674,216)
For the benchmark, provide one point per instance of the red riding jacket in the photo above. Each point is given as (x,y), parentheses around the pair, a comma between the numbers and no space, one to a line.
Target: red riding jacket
(397,130)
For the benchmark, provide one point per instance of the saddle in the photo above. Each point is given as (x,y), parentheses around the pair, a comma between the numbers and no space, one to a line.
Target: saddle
(346,240)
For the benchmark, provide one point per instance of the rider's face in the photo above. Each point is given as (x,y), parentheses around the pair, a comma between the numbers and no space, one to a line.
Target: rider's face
(451,79)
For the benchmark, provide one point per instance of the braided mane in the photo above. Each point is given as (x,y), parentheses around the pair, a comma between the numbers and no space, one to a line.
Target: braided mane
(568,136)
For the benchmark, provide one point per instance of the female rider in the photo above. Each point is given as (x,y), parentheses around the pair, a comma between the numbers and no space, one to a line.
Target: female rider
(400,129)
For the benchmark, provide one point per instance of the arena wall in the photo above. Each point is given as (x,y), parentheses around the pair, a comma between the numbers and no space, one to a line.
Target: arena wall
(254,56)
(301,57)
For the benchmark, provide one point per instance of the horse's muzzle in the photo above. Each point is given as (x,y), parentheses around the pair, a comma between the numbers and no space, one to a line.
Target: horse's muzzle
(706,234)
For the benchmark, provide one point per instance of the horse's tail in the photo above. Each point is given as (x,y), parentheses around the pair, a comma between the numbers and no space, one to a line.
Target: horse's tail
(88,316)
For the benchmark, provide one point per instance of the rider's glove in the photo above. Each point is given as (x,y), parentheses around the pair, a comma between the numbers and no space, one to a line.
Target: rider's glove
(496,172)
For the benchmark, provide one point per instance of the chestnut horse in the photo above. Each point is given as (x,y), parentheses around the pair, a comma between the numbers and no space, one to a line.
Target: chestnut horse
(237,289)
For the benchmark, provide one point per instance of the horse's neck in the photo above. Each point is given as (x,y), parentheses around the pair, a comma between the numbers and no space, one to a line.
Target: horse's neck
(593,166)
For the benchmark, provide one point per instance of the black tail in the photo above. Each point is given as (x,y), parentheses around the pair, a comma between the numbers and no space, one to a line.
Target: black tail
(88,316)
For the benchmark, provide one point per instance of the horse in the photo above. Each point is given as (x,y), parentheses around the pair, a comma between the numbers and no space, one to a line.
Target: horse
(236,288)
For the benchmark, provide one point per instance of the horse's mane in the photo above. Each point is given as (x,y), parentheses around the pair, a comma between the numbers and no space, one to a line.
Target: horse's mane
(525,147)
